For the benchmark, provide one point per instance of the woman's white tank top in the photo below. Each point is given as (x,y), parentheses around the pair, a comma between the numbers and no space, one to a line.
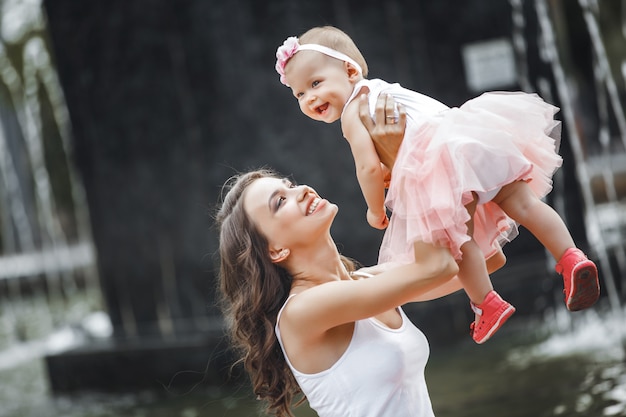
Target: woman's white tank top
(381,374)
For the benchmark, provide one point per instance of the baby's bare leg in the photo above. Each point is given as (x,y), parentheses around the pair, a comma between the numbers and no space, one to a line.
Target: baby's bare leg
(496,261)
(580,275)
(520,203)
(472,268)
(490,309)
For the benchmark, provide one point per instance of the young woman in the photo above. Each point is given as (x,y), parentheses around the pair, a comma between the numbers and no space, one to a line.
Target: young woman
(303,319)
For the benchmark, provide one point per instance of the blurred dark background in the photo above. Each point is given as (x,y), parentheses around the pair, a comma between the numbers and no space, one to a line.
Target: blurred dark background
(167,100)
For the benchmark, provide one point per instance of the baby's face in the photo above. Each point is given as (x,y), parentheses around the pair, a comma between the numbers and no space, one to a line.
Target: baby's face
(321,84)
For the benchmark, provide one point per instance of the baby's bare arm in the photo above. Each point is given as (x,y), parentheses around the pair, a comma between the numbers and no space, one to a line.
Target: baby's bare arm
(367,165)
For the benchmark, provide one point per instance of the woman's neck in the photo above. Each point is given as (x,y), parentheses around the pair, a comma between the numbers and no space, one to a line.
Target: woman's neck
(316,266)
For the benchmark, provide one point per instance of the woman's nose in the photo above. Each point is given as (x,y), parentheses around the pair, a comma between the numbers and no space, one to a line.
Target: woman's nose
(303,191)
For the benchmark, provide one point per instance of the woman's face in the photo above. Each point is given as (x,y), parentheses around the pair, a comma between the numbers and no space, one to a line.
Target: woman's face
(289,216)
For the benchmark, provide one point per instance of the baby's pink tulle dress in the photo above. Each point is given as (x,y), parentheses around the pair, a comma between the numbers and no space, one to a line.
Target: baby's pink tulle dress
(486,143)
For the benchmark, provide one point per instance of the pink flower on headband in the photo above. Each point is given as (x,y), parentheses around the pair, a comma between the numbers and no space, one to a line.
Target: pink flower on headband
(284,54)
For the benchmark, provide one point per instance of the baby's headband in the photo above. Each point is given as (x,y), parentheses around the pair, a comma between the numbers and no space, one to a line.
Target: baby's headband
(291,46)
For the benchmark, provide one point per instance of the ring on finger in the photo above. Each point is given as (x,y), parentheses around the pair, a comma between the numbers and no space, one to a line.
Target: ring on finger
(392,120)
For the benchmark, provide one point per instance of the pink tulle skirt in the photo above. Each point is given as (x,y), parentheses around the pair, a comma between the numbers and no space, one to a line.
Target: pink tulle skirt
(488,142)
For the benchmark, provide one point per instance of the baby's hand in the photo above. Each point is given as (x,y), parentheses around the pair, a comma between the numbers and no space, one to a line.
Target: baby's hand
(376,220)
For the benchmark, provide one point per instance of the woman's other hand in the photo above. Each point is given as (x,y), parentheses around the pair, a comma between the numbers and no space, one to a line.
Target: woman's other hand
(387,128)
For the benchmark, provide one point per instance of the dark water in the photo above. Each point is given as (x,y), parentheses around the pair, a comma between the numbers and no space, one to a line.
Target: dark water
(574,366)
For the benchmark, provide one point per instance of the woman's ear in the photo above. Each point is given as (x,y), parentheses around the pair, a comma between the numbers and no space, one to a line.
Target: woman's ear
(279,255)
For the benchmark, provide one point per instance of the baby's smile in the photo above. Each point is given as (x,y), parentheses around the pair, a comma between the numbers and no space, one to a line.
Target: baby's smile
(321,109)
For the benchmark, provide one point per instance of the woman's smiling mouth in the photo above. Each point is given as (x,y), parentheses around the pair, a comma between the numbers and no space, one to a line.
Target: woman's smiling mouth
(313,205)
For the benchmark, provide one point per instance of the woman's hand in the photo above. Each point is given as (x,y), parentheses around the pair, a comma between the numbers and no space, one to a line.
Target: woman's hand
(387,130)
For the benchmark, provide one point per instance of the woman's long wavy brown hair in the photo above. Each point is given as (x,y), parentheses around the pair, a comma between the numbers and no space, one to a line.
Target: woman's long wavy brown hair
(253,289)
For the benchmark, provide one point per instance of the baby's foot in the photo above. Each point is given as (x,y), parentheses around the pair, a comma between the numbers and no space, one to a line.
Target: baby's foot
(580,279)
(490,316)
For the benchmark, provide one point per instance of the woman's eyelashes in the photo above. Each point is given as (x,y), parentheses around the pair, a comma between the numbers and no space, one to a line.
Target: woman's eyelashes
(281,198)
